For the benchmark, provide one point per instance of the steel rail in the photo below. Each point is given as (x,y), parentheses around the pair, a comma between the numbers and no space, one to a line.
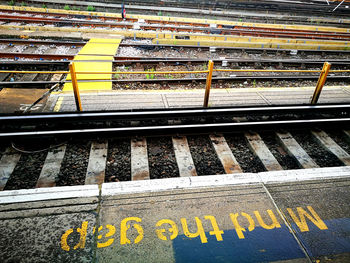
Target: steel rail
(36,56)
(156,47)
(266,16)
(175,113)
(222,30)
(188,25)
(44,42)
(188,61)
(42,84)
(280,117)
(295,6)
(185,129)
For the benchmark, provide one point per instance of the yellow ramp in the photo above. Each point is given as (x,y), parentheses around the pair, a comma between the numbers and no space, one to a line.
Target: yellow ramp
(96,56)
(99,49)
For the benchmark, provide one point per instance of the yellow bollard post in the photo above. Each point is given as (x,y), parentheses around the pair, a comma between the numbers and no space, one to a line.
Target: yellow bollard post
(320,82)
(208,83)
(75,86)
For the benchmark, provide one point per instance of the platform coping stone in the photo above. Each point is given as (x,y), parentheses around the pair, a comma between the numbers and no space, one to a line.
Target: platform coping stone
(139,160)
(225,154)
(331,146)
(183,157)
(52,166)
(295,150)
(95,173)
(260,149)
(8,163)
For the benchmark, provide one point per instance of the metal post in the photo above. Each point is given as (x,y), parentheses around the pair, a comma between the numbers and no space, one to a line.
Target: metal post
(320,82)
(208,83)
(75,86)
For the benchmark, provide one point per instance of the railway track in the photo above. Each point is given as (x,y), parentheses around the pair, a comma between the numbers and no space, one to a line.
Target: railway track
(120,83)
(251,17)
(44,80)
(205,7)
(129,50)
(260,163)
(234,58)
(173,26)
(174,149)
(238,62)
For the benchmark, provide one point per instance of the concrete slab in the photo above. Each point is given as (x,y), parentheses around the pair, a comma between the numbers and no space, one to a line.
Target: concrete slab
(116,100)
(59,230)
(319,213)
(221,218)
(17,100)
(197,226)
(108,101)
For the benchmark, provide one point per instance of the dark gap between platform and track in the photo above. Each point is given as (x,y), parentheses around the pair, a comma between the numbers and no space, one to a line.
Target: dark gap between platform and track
(161,122)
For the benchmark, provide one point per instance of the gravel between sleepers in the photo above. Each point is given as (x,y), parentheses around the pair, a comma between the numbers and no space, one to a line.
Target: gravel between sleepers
(204,156)
(315,151)
(27,171)
(287,162)
(161,158)
(244,156)
(74,164)
(118,167)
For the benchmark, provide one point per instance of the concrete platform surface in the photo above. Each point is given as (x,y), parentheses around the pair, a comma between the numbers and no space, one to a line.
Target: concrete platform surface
(18,100)
(13,100)
(283,216)
(125,100)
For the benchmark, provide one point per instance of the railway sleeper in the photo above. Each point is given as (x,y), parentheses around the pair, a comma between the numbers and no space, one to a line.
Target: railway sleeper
(185,158)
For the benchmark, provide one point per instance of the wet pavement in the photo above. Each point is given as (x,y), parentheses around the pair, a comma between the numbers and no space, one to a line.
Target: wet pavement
(18,100)
(285,216)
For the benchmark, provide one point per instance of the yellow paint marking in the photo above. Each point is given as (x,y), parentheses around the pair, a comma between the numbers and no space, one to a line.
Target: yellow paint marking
(259,43)
(82,240)
(99,48)
(301,221)
(83,233)
(216,231)
(124,226)
(89,59)
(181,19)
(238,228)
(261,222)
(200,231)
(111,232)
(86,67)
(58,104)
(167,229)
(92,58)
(105,40)
(64,237)
(173,229)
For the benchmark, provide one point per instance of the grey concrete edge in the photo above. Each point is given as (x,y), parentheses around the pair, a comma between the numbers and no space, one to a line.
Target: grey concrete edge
(159,185)
(52,193)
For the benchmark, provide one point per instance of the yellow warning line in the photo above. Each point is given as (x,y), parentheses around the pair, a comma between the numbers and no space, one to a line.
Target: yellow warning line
(178,19)
(267,40)
(58,104)
(261,44)
(197,39)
